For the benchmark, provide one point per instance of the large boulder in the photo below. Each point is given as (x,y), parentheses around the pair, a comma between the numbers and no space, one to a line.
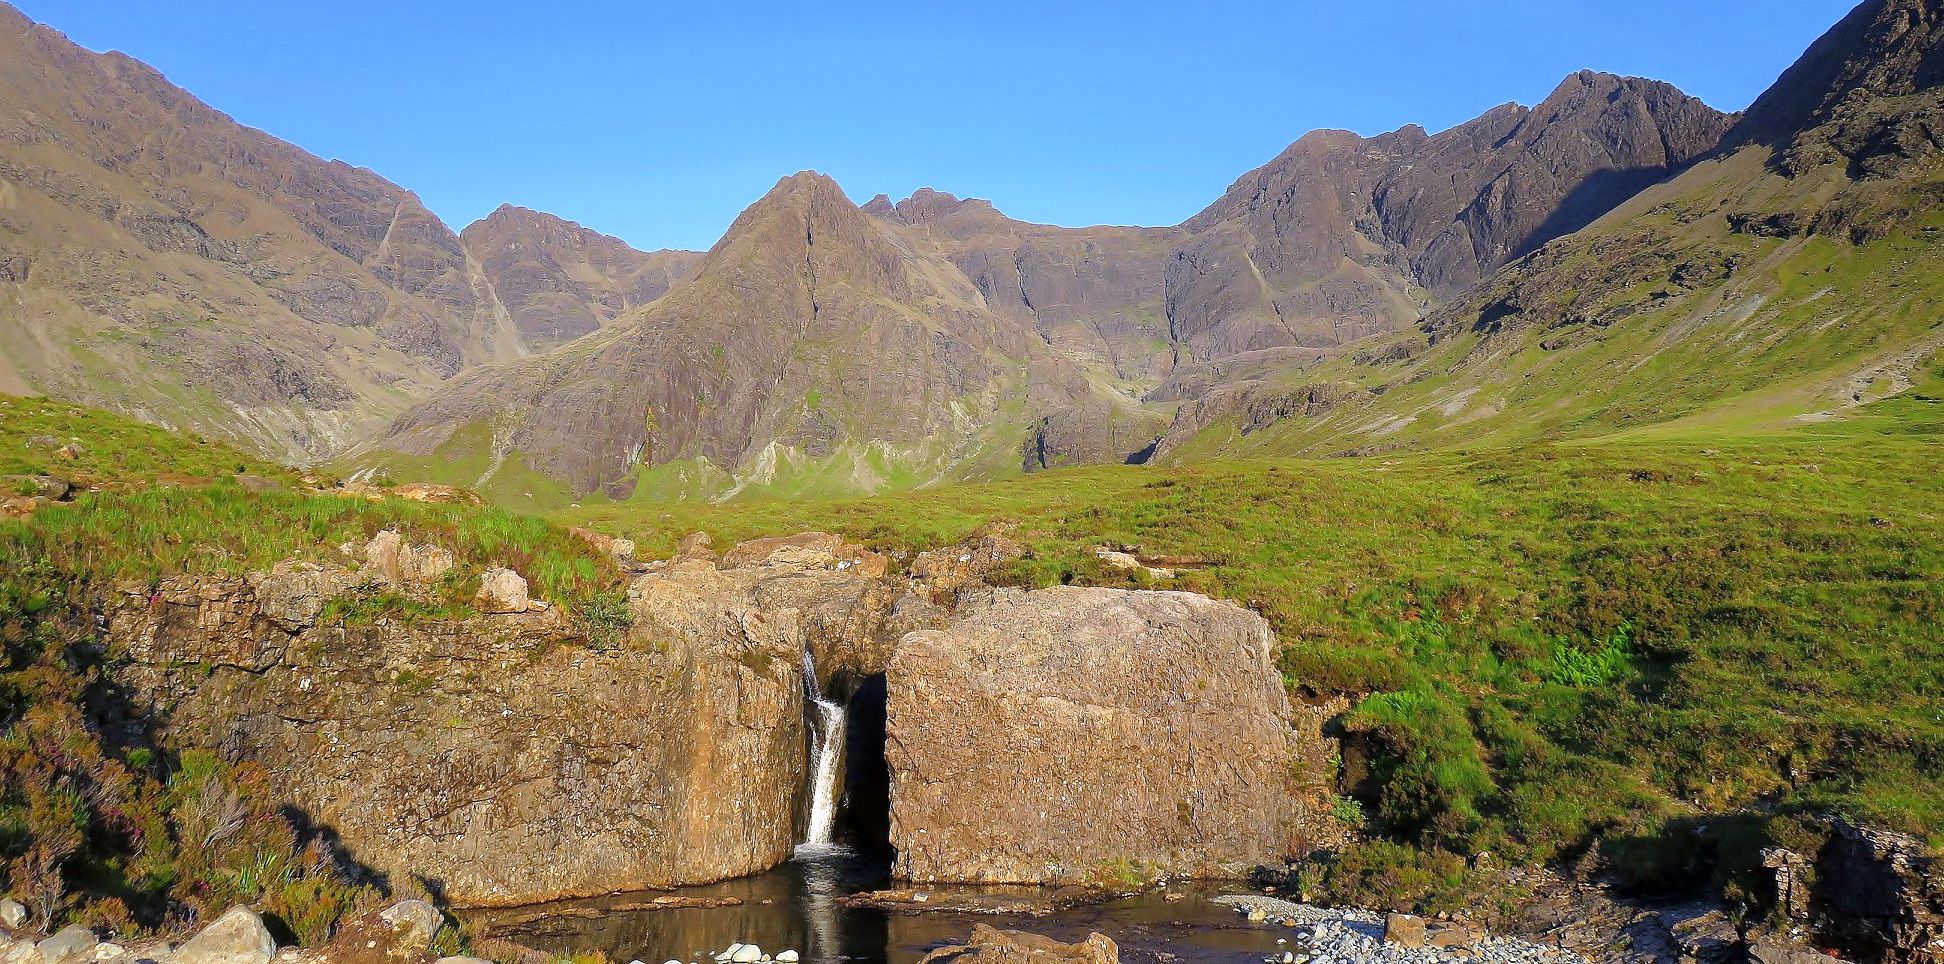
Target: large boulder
(1070,736)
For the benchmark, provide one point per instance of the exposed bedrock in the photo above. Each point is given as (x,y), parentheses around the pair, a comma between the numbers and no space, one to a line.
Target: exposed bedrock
(508,759)
(1070,735)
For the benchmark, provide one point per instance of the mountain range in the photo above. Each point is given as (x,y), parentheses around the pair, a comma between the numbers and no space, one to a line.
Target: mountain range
(1619,255)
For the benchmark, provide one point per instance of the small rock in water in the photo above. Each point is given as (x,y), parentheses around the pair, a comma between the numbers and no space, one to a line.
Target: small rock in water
(664,962)
(787,957)
(1257,915)
(746,954)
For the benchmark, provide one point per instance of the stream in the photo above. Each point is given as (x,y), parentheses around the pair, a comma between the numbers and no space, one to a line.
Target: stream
(797,905)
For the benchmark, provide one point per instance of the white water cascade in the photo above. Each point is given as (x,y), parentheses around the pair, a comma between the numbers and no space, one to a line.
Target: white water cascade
(827,722)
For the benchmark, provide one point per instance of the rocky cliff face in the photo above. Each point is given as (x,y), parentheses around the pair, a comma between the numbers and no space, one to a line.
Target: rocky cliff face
(557,280)
(510,758)
(501,759)
(1071,736)
(1858,95)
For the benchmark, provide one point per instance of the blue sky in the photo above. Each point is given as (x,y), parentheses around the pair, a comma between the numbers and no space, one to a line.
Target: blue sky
(658,122)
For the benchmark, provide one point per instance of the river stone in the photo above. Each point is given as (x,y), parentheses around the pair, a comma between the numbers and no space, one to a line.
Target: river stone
(237,937)
(416,922)
(1073,736)
(990,945)
(1404,930)
(13,914)
(746,954)
(71,945)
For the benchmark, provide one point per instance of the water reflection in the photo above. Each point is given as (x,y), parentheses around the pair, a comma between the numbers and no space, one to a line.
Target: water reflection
(798,905)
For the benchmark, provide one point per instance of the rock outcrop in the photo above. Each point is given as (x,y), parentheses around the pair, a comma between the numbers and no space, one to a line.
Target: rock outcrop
(502,757)
(1058,736)
(990,945)
(1882,894)
(1092,735)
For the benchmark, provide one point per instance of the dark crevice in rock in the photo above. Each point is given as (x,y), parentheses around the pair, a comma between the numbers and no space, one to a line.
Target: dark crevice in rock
(865,819)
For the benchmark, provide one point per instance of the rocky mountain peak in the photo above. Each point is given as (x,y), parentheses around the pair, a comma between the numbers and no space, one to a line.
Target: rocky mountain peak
(556,279)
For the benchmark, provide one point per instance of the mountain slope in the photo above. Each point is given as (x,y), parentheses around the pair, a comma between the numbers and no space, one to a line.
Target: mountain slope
(1096,294)
(1796,273)
(814,348)
(161,260)
(168,262)
(557,280)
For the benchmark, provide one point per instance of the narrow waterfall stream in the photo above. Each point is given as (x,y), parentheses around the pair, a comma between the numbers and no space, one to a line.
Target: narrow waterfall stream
(827,725)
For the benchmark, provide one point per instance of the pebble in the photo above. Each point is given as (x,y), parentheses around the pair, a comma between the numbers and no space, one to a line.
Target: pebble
(1351,936)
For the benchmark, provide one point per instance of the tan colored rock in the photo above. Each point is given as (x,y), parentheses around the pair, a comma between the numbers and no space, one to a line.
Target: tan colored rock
(73,944)
(294,593)
(415,923)
(19,952)
(237,937)
(436,494)
(502,591)
(1453,935)
(696,546)
(1127,562)
(23,506)
(394,561)
(945,571)
(503,756)
(1080,735)
(990,945)
(809,550)
(1404,930)
(616,548)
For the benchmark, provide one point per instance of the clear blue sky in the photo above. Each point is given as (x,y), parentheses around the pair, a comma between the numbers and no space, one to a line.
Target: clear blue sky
(657,122)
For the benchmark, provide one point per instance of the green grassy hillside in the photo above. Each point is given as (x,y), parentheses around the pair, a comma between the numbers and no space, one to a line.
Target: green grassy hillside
(134,835)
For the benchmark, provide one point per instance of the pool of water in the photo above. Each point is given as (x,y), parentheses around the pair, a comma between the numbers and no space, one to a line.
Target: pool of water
(799,905)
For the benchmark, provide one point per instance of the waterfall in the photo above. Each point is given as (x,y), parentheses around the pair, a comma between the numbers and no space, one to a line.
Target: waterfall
(827,750)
